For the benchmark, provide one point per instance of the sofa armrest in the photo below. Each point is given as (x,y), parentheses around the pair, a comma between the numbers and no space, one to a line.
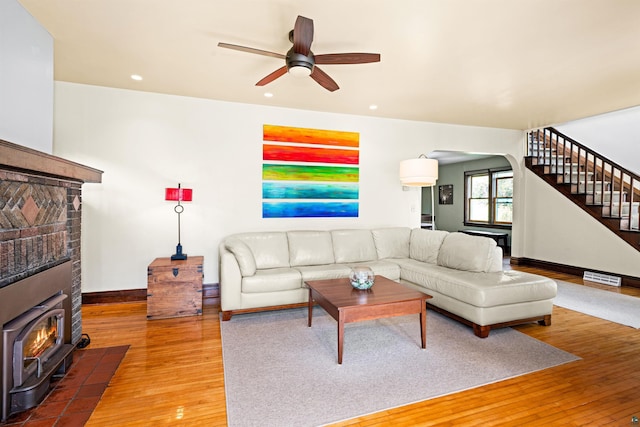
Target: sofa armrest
(230,281)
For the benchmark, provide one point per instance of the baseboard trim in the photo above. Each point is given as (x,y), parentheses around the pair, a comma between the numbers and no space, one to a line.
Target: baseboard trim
(210,295)
(570,269)
(108,297)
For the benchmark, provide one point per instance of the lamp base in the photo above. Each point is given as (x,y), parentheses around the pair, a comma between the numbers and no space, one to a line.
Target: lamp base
(178,256)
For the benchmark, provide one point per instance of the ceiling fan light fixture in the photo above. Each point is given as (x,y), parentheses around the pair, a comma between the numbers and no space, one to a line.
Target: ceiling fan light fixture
(300,71)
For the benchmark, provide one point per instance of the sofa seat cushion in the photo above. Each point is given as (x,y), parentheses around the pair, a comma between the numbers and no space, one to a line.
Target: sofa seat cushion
(272,280)
(324,272)
(310,248)
(480,289)
(388,269)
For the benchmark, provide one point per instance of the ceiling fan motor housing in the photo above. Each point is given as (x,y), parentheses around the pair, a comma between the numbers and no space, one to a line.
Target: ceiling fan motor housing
(294,59)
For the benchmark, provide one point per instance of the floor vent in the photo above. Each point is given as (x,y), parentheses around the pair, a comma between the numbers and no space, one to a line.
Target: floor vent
(605,279)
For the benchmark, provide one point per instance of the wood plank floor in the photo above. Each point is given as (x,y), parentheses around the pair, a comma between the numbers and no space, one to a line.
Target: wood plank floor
(173,375)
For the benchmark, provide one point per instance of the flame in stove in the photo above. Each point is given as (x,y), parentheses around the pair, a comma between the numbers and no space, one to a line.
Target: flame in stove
(43,338)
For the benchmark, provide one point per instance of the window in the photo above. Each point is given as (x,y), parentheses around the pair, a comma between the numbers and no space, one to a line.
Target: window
(489,197)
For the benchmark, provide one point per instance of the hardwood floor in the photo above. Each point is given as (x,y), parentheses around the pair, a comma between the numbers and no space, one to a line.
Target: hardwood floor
(173,375)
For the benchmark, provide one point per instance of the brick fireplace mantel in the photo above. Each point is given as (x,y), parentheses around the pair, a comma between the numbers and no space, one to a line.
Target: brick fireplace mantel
(17,157)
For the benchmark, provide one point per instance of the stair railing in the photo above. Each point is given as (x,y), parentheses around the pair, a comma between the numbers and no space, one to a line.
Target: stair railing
(603,181)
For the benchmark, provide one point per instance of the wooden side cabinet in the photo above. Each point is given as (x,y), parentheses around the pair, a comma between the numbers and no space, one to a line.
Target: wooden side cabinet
(174,288)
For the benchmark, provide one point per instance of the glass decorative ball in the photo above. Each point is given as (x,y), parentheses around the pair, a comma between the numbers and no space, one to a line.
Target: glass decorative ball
(361,278)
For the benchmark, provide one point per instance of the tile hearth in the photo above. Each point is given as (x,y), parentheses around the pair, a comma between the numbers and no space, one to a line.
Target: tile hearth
(73,398)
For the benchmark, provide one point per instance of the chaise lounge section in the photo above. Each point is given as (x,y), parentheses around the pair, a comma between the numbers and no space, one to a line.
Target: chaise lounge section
(463,273)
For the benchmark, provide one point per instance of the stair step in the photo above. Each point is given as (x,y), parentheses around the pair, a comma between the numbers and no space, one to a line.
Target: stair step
(565,168)
(614,210)
(543,154)
(574,177)
(624,225)
(605,197)
(591,186)
(548,161)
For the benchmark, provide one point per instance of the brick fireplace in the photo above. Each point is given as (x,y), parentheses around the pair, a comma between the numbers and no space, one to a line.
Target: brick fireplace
(40,229)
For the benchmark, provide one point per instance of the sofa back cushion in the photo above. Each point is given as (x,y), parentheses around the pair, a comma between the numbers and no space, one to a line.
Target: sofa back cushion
(310,248)
(353,246)
(425,244)
(495,262)
(464,252)
(392,242)
(270,249)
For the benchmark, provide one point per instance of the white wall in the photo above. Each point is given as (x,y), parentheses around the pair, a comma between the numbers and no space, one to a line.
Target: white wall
(145,142)
(26,79)
(615,135)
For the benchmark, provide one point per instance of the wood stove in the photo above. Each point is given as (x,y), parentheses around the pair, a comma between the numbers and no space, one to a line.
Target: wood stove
(25,304)
(33,352)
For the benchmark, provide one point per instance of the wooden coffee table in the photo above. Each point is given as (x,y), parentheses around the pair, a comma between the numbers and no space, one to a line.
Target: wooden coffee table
(385,299)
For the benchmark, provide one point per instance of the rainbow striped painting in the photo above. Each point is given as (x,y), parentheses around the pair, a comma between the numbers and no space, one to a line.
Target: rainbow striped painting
(309,172)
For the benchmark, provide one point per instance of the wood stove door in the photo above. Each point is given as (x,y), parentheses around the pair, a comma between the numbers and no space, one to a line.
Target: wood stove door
(35,345)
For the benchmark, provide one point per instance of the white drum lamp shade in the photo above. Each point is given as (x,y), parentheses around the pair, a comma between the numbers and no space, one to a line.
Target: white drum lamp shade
(420,172)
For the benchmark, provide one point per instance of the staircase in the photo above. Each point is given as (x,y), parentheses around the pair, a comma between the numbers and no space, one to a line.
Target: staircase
(604,189)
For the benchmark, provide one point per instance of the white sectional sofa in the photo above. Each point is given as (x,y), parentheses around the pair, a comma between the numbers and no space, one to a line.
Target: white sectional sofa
(463,273)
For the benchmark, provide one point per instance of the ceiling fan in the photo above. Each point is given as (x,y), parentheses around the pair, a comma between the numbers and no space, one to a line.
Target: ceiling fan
(299,60)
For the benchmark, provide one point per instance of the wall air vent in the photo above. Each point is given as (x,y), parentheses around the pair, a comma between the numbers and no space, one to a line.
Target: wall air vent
(605,279)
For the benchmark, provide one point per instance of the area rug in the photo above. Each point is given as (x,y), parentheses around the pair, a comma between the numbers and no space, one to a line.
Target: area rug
(612,306)
(279,372)
(73,398)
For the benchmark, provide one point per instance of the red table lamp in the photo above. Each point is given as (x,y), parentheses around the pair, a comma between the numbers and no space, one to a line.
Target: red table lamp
(178,195)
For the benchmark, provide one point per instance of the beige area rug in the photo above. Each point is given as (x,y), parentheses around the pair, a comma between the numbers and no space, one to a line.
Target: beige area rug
(608,305)
(279,372)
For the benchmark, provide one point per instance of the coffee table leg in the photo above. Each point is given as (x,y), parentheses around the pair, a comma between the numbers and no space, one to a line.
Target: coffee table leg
(340,337)
(310,306)
(423,324)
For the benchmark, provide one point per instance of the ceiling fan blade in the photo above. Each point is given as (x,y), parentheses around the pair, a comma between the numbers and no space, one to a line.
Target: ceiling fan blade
(324,80)
(303,35)
(251,50)
(347,58)
(271,77)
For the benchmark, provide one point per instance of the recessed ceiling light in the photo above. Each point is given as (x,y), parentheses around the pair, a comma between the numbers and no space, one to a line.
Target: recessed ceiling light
(136,77)
(268,95)
(373,107)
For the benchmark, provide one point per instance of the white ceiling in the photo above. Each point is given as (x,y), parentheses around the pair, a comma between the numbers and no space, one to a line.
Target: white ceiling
(500,63)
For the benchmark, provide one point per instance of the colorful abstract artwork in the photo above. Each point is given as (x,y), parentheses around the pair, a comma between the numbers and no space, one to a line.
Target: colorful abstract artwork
(309,172)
